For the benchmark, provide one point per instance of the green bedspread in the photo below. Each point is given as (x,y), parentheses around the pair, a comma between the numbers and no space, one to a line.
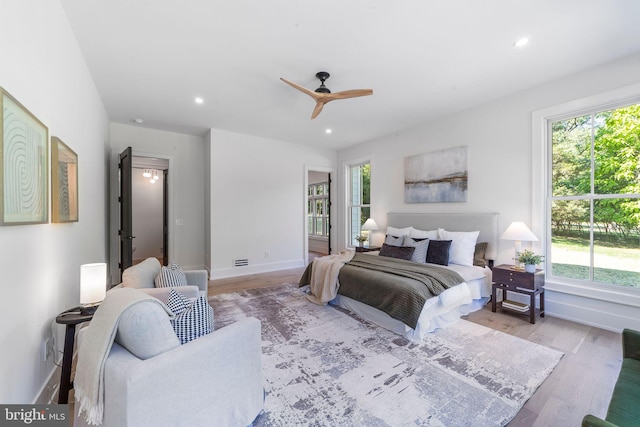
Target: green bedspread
(397,287)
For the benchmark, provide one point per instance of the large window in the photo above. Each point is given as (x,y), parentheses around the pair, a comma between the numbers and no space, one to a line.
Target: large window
(359,199)
(593,197)
(318,209)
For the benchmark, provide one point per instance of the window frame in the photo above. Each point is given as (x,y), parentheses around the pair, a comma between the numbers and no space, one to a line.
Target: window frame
(350,233)
(542,187)
(312,198)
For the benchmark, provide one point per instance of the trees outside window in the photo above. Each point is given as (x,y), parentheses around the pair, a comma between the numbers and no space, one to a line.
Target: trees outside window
(594,197)
(359,203)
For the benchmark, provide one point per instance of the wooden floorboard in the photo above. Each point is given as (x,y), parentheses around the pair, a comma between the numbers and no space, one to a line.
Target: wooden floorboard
(581,383)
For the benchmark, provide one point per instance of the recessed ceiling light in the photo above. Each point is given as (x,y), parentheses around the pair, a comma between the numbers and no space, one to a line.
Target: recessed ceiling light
(521,42)
(199,100)
(137,121)
(328,131)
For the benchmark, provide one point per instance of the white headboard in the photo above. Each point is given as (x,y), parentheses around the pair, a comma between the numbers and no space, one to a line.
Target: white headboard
(485,223)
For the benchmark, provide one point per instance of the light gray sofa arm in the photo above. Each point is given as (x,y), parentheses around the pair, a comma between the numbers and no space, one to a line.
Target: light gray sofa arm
(213,380)
(199,278)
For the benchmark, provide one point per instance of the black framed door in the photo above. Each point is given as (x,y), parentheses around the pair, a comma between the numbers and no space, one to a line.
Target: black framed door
(126,218)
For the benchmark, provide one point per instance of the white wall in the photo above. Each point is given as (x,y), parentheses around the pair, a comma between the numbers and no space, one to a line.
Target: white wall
(41,66)
(186,188)
(258,202)
(499,136)
(146,215)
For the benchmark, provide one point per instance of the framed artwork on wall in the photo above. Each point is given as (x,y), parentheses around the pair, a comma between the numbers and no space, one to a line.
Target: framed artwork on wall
(438,176)
(64,182)
(24,143)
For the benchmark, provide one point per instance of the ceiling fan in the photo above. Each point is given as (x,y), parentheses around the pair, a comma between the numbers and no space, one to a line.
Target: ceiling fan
(322,95)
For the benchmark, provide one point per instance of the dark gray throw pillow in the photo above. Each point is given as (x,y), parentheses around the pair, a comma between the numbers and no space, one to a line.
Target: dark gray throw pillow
(438,252)
(400,252)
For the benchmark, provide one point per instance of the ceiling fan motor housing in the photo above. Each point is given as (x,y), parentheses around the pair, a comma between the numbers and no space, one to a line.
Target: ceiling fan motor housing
(322,76)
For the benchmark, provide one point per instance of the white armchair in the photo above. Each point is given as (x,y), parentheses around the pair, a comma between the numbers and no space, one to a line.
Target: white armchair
(215,380)
(141,276)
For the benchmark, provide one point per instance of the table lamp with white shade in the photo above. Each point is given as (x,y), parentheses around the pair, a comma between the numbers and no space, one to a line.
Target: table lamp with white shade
(518,232)
(369,226)
(93,286)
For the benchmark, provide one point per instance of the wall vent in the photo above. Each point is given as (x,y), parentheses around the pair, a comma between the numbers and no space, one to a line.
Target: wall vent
(240,262)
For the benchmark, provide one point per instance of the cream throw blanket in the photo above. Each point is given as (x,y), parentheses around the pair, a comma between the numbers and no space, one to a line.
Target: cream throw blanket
(95,348)
(324,276)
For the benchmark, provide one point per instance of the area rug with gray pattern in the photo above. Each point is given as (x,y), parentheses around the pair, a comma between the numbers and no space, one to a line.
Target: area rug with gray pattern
(326,367)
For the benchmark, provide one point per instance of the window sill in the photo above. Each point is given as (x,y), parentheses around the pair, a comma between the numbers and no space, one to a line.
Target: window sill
(625,296)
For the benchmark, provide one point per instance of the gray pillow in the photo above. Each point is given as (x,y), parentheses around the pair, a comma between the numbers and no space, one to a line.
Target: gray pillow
(394,240)
(479,254)
(145,330)
(400,252)
(421,245)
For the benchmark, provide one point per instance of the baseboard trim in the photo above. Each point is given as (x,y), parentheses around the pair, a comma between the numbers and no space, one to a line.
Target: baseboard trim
(601,314)
(49,390)
(224,273)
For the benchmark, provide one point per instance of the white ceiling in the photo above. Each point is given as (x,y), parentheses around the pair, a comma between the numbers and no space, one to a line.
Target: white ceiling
(422,58)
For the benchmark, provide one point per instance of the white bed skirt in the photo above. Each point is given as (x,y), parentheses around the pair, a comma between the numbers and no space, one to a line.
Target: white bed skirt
(438,312)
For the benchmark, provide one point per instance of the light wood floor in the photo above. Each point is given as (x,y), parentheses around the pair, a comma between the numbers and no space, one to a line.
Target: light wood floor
(581,383)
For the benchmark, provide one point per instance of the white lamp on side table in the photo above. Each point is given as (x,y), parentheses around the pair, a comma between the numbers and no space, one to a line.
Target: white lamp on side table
(518,232)
(93,286)
(369,225)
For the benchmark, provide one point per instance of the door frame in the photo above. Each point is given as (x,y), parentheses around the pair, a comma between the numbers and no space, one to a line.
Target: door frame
(332,209)
(114,209)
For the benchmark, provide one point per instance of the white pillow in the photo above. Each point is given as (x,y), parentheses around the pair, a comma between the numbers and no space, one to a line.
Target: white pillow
(398,232)
(421,234)
(463,245)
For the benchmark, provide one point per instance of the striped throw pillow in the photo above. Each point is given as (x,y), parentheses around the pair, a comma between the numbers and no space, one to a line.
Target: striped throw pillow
(170,277)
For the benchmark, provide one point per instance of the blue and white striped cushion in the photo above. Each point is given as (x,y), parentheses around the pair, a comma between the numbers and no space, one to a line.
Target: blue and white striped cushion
(195,319)
(170,277)
(420,253)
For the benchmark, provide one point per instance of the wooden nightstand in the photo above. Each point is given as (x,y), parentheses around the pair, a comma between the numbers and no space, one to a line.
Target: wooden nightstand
(367,248)
(508,279)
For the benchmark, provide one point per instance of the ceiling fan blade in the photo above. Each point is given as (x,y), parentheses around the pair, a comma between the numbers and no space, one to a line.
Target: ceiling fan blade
(311,93)
(318,109)
(350,93)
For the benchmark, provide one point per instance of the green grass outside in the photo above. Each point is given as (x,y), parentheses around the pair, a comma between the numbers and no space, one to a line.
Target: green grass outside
(626,254)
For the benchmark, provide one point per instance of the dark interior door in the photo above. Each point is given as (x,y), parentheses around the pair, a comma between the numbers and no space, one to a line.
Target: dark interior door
(165,218)
(329,226)
(126,218)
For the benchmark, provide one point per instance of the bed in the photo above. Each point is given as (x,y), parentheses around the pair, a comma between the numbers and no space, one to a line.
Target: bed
(438,311)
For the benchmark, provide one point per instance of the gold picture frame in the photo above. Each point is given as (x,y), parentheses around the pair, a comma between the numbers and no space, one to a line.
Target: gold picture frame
(24,172)
(64,182)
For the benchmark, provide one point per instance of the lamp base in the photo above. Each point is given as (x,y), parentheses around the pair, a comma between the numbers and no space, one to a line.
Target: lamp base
(88,310)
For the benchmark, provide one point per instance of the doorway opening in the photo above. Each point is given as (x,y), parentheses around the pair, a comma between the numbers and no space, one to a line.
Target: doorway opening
(148,179)
(318,214)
